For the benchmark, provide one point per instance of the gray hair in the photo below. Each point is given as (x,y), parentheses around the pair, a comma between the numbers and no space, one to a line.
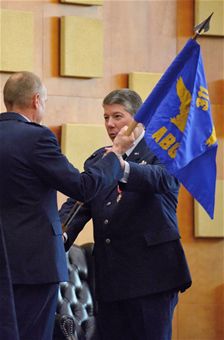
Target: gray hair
(129,99)
(20,88)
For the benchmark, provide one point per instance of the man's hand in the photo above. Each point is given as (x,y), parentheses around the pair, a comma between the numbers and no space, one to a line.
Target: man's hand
(64,237)
(122,142)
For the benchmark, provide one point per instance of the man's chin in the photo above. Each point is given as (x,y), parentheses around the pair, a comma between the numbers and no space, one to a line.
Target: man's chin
(112,137)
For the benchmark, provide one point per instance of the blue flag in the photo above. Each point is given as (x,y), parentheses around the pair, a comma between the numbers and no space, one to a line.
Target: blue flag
(179,127)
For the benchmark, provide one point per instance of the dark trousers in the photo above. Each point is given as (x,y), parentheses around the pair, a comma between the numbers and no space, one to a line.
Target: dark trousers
(35,310)
(144,318)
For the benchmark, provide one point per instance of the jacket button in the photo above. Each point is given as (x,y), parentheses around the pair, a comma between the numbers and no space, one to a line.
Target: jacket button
(107,241)
(106,221)
(108,203)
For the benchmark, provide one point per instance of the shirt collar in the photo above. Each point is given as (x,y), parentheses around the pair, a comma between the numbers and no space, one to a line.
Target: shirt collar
(129,151)
(28,120)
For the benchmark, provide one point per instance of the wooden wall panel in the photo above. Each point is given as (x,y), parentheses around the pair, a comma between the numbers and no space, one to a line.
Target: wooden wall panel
(81,47)
(148,30)
(79,141)
(143,82)
(83,2)
(204,8)
(63,109)
(16,36)
(203,225)
(60,86)
(35,8)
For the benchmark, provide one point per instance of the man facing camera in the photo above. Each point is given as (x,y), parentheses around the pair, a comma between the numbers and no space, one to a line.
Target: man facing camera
(32,170)
(139,260)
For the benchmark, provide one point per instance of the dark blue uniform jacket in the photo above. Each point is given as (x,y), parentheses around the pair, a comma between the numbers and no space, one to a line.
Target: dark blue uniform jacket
(137,242)
(32,169)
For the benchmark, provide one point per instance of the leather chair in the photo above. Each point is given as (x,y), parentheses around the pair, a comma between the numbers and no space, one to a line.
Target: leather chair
(76,306)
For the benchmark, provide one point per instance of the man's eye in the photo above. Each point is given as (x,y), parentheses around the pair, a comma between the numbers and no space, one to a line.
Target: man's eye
(117,116)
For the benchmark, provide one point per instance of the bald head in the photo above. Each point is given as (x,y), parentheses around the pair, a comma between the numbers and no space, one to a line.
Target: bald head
(20,88)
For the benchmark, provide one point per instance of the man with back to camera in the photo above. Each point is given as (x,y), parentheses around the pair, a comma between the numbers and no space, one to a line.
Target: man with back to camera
(139,260)
(32,169)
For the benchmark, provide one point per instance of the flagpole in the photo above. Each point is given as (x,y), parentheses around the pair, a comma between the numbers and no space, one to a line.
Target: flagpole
(204,25)
(73,212)
(131,128)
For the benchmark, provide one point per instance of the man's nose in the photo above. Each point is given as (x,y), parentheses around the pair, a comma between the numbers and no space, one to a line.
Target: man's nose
(110,121)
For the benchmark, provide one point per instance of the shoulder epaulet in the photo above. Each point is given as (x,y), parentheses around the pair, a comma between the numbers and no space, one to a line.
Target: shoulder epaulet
(98,153)
(94,157)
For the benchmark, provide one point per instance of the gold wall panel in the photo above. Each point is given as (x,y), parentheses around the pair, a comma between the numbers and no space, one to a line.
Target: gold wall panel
(79,141)
(204,226)
(203,8)
(143,82)
(83,2)
(81,47)
(16,36)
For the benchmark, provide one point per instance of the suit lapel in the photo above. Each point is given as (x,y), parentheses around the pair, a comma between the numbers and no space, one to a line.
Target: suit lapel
(141,153)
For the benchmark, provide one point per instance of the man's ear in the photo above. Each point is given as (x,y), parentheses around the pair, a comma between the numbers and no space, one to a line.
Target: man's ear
(35,100)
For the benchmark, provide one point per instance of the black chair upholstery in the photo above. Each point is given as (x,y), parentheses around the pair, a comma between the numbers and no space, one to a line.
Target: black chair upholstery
(75,314)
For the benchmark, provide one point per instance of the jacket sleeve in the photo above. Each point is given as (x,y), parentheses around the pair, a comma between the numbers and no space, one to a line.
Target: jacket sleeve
(55,170)
(152,178)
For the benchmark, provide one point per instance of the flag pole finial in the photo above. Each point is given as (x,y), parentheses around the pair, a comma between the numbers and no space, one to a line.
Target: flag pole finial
(203,26)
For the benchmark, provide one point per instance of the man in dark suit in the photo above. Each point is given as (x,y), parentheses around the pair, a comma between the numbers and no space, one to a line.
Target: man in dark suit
(139,260)
(32,169)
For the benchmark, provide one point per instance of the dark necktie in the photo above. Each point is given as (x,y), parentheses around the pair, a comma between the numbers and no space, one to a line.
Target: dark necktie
(121,185)
(124,156)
